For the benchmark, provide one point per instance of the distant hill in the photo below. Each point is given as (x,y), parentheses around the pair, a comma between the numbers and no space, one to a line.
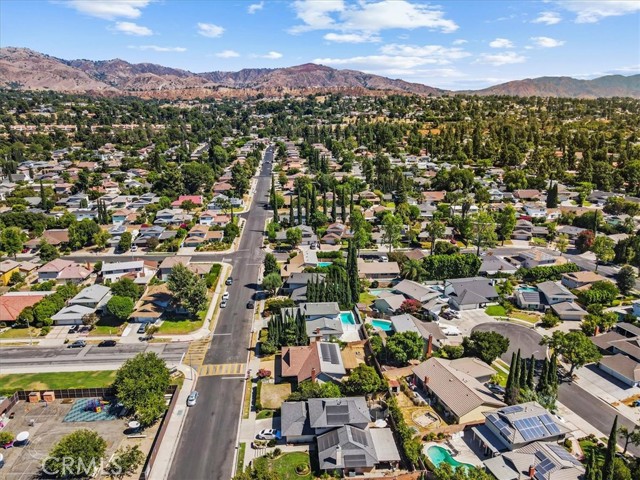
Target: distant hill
(21,68)
(609,86)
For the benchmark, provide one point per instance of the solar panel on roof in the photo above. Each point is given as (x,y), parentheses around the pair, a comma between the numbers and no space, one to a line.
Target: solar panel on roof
(335,355)
(550,424)
(355,460)
(560,451)
(328,440)
(335,409)
(512,409)
(359,437)
(544,466)
(324,352)
(500,424)
(531,428)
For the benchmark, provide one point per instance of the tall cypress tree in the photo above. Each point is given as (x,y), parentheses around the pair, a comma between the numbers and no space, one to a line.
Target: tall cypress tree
(299,207)
(350,201)
(274,201)
(610,454)
(509,387)
(542,381)
(530,372)
(333,206)
(552,373)
(324,203)
(343,204)
(352,272)
(307,210)
(292,220)
(522,381)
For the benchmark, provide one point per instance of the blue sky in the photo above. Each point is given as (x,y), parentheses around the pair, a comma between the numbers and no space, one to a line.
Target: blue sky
(447,44)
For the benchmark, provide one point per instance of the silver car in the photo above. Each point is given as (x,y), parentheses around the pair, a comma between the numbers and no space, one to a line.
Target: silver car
(192,398)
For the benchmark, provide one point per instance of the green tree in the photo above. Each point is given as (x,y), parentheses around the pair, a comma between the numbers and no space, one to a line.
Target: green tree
(125,287)
(363,380)
(412,270)
(126,462)
(188,289)
(141,383)
(626,279)
(562,242)
(294,236)
(404,346)
(86,449)
(120,307)
(584,240)
(47,251)
(197,176)
(308,389)
(272,282)
(574,346)
(603,249)
(101,238)
(392,230)
(12,241)
(270,264)
(484,230)
(552,196)
(436,230)
(81,233)
(125,242)
(608,469)
(630,436)
(487,346)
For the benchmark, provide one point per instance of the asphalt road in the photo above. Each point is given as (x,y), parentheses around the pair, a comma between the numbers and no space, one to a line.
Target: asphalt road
(525,339)
(38,356)
(206,446)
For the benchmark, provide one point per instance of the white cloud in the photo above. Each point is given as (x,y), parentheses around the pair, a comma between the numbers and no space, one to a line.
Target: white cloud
(254,7)
(595,10)
(377,61)
(497,59)
(210,30)
(501,43)
(156,48)
(272,55)
(130,28)
(227,54)
(109,9)
(351,37)
(460,41)
(547,42)
(548,18)
(436,54)
(372,17)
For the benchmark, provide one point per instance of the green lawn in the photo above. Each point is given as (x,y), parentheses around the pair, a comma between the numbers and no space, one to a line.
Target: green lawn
(179,326)
(265,414)
(366,298)
(496,311)
(20,333)
(502,376)
(285,466)
(57,380)
(240,462)
(108,326)
(525,316)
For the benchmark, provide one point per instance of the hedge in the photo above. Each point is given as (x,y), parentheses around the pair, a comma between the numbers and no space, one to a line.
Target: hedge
(551,272)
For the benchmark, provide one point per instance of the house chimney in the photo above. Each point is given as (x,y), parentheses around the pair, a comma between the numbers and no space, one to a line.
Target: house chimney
(313,375)
(532,471)
(430,346)
(597,332)
(426,380)
(339,456)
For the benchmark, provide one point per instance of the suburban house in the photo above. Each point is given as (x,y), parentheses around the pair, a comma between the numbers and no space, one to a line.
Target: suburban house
(622,367)
(388,302)
(560,299)
(463,398)
(114,271)
(381,271)
(621,347)
(431,333)
(415,291)
(516,426)
(536,258)
(581,279)
(493,265)
(528,299)
(12,303)
(168,263)
(195,199)
(63,271)
(94,296)
(340,427)
(71,315)
(318,361)
(470,293)
(55,237)
(296,281)
(537,461)
(569,311)
(322,319)
(7,269)
(155,302)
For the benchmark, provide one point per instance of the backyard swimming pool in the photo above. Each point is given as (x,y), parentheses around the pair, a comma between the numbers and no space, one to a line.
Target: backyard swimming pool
(324,264)
(378,291)
(527,288)
(384,325)
(347,318)
(437,455)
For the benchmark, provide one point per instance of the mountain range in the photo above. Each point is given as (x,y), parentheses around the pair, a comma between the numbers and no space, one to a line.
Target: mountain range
(25,69)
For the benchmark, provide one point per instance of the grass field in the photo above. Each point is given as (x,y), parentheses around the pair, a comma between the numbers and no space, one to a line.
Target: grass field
(58,380)
(273,394)
(108,326)
(20,333)
(366,298)
(177,327)
(496,311)
(502,376)
(525,316)
(240,462)
(285,466)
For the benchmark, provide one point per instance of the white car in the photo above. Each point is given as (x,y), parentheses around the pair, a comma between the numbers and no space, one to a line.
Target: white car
(192,398)
(223,304)
(268,434)
(225,296)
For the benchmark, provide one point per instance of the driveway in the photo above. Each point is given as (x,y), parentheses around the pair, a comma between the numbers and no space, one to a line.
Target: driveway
(603,385)
(523,338)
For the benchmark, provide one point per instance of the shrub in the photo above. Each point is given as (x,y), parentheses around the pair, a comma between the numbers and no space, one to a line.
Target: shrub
(6,437)
(271,443)
(45,331)
(568,444)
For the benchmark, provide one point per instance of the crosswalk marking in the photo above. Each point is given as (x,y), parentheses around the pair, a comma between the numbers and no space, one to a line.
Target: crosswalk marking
(196,353)
(210,370)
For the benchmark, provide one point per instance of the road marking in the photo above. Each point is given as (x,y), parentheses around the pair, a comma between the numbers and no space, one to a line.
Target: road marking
(222,369)
(218,334)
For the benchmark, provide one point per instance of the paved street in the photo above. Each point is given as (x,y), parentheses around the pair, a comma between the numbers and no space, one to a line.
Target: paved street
(20,357)
(206,447)
(523,338)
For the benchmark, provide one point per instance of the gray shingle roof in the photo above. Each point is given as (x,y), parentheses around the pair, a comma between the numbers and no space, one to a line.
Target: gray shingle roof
(336,412)
(346,447)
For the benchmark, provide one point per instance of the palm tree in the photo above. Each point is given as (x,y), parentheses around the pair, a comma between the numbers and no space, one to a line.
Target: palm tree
(412,270)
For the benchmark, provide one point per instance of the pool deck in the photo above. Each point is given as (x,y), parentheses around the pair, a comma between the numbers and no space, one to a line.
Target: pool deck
(465,453)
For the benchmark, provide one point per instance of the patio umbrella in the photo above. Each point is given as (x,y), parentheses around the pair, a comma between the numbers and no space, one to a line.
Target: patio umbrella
(22,437)
(380,423)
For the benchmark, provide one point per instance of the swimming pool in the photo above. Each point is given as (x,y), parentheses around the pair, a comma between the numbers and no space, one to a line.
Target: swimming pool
(324,264)
(527,288)
(378,291)
(384,325)
(437,455)
(347,318)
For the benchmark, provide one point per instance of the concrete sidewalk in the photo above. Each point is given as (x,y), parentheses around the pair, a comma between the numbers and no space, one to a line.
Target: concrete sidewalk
(169,443)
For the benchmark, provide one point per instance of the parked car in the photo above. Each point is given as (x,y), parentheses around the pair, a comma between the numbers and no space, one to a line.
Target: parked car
(74,328)
(78,344)
(142,328)
(225,296)
(268,434)
(250,304)
(134,248)
(145,338)
(223,304)
(192,398)
(496,388)
(229,281)
(107,343)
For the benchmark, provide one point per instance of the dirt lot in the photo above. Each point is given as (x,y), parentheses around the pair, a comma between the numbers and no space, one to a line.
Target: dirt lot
(273,394)
(423,419)
(24,462)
